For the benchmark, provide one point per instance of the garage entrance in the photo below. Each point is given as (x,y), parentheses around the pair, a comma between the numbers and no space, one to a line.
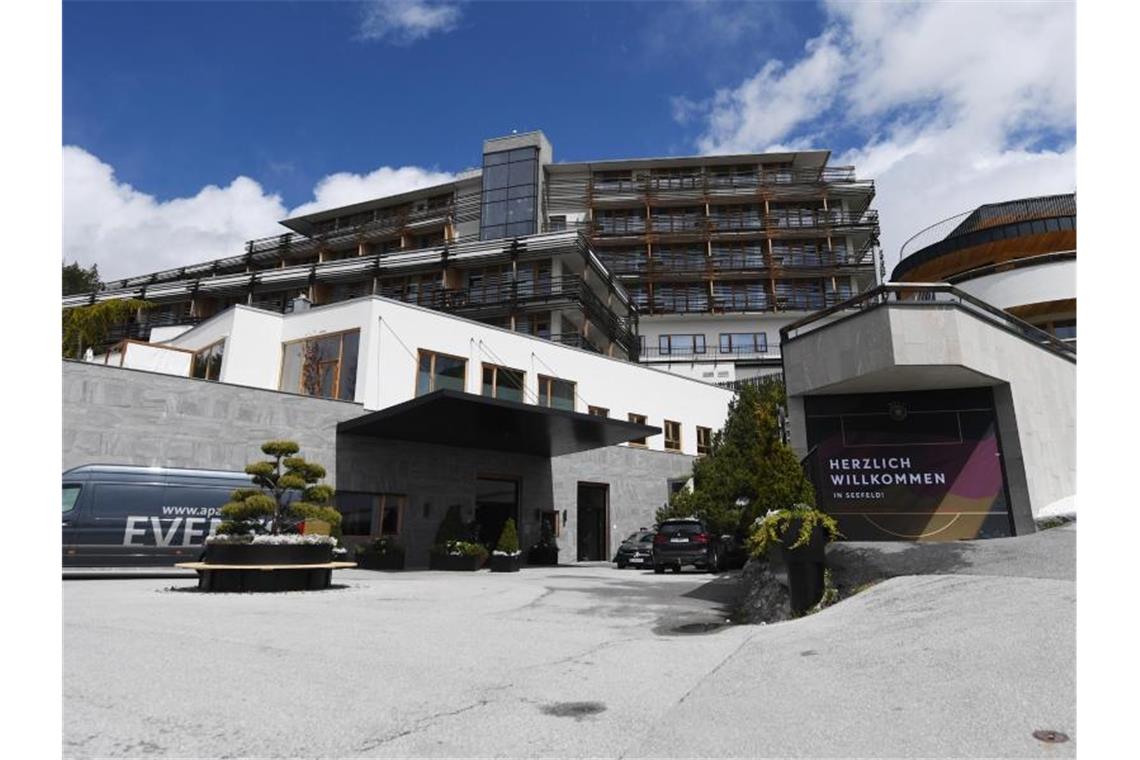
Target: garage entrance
(593,519)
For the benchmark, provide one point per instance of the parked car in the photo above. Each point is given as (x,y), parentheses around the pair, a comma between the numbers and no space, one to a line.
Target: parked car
(686,541)
(130,516)
(636,550)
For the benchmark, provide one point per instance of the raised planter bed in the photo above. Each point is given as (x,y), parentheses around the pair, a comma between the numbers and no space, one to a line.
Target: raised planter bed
(542,555)
(268,554)
(502,563)
(389,561)
(454,562)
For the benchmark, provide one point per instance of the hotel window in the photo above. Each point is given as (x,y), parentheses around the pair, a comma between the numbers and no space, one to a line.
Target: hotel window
(503,382)
(555,393)
(672,435)
(680,345)
(207,363)
(510,190)
(704,440)
(370,514)
(440,372)
(637,419)
(598,411)
(744,343)
(323,366)
(536,325)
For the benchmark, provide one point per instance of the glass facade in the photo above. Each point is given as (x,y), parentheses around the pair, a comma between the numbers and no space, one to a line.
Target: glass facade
(510,194)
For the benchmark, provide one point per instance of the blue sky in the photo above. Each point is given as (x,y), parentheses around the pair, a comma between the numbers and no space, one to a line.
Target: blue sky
(191,127)
(180,95)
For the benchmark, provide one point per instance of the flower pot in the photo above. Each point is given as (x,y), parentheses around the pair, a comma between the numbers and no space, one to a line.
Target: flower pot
(506,563)
(454,562)
(542,555)
(386,561)
(805,566)
(268,554)
(812,551)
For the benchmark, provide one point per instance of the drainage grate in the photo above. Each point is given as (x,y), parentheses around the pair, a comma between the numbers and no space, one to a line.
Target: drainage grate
(1050,737)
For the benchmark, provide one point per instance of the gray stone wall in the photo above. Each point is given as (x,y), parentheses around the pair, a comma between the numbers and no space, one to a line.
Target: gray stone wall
(124,416)
(638,481)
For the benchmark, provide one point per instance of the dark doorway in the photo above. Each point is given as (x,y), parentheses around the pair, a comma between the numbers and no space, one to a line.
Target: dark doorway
(496,501)
(593,519)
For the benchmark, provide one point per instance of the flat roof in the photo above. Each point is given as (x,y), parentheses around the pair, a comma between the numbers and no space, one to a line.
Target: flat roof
(798,158)
(464,420)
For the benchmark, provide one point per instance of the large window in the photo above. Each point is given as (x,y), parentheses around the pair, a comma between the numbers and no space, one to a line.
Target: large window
(370,514)
(704,440)
(744,343)
(680,345)
(208,362)
(510,193)
(556,393)
(672,435)
(503,382)
(440,372)
(637,419)
(323,366)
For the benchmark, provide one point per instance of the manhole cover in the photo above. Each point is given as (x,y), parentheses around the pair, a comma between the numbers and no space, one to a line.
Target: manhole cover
(576,710)
(1050,737)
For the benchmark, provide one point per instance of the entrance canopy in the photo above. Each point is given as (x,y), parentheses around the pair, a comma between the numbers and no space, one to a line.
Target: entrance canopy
(453,418)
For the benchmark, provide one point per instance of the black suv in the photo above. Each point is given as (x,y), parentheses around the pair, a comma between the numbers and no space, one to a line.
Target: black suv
(636,550)
(686,542)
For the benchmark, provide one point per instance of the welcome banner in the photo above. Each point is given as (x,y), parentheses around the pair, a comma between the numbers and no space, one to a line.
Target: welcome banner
(909,466)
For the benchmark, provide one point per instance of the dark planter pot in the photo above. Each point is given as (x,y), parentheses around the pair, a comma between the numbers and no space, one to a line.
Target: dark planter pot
(449,562)
(805,566)
(268,554)
(255,579)
(542,555)
(504,564)
(389,561)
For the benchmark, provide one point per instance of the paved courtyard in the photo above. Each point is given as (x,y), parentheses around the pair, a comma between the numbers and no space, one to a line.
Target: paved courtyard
(577,661)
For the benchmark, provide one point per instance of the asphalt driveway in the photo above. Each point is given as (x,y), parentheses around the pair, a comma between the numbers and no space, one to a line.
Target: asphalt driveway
(575,661)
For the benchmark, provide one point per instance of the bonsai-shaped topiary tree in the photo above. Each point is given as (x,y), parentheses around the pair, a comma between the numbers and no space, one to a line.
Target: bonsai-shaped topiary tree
(508,539)
(278,480)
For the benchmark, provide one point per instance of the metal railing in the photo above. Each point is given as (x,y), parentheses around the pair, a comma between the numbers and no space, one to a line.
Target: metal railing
(710,352)
(926,295)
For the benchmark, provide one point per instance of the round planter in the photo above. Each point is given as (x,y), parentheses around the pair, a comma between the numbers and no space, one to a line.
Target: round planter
(805,566)
(812,551)
(268,554)
(506,564)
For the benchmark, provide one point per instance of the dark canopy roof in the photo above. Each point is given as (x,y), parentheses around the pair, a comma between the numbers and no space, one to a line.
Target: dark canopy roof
(452,418)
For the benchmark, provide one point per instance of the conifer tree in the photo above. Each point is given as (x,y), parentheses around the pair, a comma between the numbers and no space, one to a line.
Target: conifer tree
(277,480)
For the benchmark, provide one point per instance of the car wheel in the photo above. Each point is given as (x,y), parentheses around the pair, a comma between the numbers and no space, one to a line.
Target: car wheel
(714,564)
(621,566)
(676,569)
(659,569)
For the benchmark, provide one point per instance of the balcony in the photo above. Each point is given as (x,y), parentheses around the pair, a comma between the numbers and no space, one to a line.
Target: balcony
(710,353)
(706,181)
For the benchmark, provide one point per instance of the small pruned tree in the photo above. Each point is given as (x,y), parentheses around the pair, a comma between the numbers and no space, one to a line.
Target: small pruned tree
(509,538)
(279,480)
(88,326)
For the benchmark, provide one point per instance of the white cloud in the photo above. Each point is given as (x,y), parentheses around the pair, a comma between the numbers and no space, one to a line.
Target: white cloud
(950,101)
(406,21)
(128,232)
(343,188)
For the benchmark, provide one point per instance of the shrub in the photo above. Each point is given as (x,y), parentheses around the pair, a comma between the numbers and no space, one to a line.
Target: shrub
(461,548)
(508,539)
(381,546)
(769,531)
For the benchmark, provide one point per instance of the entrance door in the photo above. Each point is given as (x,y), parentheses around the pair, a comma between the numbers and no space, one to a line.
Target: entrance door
(593,519)
(496,501)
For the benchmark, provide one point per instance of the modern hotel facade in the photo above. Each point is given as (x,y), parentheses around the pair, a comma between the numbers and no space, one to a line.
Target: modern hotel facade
(702,259)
